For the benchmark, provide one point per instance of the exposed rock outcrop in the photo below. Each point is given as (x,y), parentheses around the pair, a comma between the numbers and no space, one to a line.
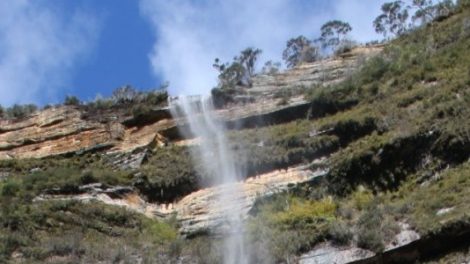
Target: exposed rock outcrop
(63,130)
(327,253)
(323,72)
(194,211)
(68,129)
(196,214)
(324,253)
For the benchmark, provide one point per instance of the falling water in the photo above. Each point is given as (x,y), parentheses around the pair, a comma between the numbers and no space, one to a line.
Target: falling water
(217,159)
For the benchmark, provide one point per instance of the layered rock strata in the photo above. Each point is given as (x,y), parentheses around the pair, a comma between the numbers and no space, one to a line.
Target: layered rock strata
(194,211)
(69,130)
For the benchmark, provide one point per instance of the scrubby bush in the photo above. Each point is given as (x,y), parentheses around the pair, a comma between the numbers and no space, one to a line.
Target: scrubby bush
(369,228)
(222,97)
(129,100)
(20,111)
(376,228)
(345,46)
(340,233)
(71,100)
(124,94)
(240,71)
(10,189)
(370,239)
(271,67)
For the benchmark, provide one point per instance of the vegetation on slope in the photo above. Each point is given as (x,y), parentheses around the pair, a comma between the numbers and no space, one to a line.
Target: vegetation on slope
(415,161)
(399,139)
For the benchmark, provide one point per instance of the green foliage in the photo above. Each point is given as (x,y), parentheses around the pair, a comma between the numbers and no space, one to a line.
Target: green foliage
(129,101)
(344,46)
(332,33)
(362,199)
(271,67)
(399,122)
(299,50)
(393,18)
(304,213)
(40,230)
(279,146)
(19,111)
(240,71)
(370,239)
(369,229)
(161,180)
(450,190)
(286,224)
(124,94)
(427,11)
(71,100)
(222,97)
(463,3)
(10,189)
(340,233)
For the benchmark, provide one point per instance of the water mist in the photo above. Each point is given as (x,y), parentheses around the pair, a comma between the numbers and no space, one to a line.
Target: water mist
(217,159)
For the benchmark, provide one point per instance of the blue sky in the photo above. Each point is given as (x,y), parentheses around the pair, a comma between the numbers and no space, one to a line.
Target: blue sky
(53,48)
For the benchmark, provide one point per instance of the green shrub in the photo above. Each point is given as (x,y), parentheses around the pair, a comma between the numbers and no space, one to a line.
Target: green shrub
(10,189)
(222,96)
(71,100)
(20,111)
(362,198)
(370,239)
(340,233)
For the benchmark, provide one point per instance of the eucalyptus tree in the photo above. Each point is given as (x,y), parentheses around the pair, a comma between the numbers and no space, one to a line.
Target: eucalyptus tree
(333,32)
(239,71)
(298,50)
(393,19)
(427,11)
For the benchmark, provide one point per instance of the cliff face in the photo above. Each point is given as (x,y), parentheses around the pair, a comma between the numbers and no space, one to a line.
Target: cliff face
(69,130)
(125,142)
(325,72)
(344,158)
(64,130)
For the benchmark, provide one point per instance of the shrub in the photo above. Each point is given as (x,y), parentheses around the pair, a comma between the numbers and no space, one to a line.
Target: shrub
(10,189)
(87,177)
(370,239)
(340,233)
(362,198)
(20,111)
(222,96)
(141,110)
(124,94)
(303,213)
(370,234)
(271,68)
(345,46)
(71,100)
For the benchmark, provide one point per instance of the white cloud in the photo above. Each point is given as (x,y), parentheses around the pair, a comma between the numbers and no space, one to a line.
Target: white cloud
(190,34)
(39,48)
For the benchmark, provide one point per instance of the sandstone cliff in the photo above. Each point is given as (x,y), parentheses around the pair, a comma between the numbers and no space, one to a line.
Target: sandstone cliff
(68,130)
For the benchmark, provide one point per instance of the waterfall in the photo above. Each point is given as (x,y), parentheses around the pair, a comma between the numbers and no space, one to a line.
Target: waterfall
(218,162)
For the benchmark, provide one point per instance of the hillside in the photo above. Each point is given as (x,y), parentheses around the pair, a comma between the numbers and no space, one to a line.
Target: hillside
(359,158)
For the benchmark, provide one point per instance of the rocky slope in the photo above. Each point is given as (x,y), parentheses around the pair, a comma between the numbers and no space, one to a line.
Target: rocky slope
(69,130)
(354,159)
